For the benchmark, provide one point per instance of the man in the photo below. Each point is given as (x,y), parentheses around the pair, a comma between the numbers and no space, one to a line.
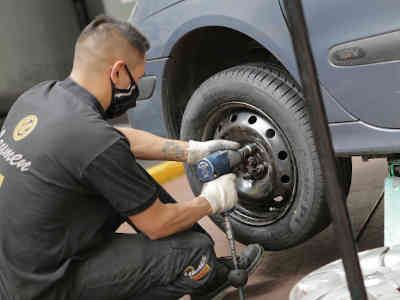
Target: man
(68,179)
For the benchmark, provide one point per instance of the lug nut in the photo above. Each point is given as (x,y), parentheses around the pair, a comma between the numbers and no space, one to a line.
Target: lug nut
(260,168)
(251,161)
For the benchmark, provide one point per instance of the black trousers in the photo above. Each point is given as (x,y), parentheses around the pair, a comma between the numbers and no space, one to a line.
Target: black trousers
(133,267)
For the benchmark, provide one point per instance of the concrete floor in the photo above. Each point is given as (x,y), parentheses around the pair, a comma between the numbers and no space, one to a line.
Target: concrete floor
(281,270)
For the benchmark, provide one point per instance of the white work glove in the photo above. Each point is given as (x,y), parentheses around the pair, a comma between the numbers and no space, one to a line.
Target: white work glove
(198,150)
(221,193)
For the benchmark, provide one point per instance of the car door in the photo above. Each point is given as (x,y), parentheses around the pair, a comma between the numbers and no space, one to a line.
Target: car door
(356,45)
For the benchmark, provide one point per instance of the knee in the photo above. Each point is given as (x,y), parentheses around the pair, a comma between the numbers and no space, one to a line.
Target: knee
(196,245)
(205,250)
(201,241)
(193,240)
(202,261)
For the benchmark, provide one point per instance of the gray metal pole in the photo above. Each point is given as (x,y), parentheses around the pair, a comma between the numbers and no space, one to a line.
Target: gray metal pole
(323,140)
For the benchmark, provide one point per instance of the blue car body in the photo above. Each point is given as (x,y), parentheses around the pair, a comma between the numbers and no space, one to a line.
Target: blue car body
(354,45)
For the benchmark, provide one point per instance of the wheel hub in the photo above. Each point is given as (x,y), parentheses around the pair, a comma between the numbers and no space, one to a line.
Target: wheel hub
(255,168)
(266,181)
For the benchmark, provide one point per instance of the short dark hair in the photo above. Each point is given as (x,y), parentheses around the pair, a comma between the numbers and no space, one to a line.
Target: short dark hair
(128,31)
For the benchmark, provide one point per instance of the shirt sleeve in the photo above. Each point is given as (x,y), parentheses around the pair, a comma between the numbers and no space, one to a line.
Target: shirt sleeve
(116,176)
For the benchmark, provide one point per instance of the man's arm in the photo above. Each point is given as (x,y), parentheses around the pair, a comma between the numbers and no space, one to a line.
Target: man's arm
(147,146)
(115,175)
(161,220)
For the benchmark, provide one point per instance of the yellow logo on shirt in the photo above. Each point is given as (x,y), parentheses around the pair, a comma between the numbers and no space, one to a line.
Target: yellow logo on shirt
(25,127)
(1,180)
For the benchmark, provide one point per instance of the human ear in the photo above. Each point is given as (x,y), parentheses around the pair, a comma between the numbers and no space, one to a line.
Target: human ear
(115,71)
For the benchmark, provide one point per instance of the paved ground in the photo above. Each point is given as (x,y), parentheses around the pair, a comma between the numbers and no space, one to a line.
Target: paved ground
(281,270)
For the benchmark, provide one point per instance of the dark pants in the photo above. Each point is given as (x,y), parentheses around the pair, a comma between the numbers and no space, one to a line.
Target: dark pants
(135,267)
(131,266)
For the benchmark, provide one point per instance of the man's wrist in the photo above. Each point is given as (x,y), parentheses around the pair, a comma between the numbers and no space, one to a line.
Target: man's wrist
(201,201)
(193,152)
(175,150)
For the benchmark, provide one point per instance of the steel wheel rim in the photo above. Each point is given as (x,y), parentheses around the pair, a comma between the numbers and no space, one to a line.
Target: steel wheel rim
(266,200)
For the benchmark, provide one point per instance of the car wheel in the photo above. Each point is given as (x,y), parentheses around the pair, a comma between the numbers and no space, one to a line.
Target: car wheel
(280,188)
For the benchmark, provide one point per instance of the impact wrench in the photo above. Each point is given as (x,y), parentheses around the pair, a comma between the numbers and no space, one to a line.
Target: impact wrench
(211,167)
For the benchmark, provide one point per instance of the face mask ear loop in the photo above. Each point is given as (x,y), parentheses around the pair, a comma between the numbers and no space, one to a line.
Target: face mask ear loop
(130,76)
(122,99)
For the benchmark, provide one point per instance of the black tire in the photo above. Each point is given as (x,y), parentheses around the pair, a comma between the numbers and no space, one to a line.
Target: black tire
(275,96)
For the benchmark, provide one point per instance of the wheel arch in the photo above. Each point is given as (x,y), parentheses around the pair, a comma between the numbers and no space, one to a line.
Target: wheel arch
(197,52)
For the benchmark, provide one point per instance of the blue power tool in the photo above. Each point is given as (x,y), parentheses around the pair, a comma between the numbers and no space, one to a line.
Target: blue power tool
(211,167)
(222,162)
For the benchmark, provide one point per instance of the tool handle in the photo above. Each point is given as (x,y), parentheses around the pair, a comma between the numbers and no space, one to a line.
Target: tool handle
(237,277)
(231,239)
(241,293)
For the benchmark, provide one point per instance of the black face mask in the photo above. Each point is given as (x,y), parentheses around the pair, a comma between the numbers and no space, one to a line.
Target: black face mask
(122,99)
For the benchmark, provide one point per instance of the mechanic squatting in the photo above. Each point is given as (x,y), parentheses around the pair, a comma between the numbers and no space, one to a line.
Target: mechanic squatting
(9,156)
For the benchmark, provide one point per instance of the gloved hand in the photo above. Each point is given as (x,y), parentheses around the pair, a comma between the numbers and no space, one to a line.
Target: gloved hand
(199,150)
(221,193)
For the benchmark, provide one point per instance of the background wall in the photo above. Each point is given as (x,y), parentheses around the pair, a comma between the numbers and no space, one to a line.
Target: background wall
(120,9)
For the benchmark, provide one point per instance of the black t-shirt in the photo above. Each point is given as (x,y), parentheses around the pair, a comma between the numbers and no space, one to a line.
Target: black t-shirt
(67,178)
